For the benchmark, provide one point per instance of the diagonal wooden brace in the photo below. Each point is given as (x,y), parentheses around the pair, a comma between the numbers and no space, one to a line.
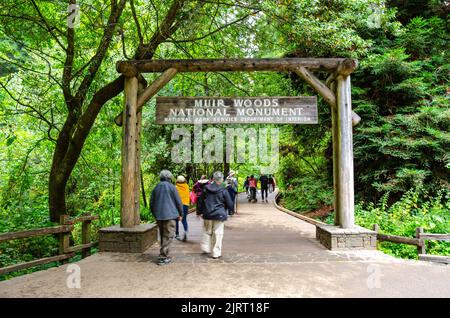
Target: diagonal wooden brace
(149,92)
(322,89)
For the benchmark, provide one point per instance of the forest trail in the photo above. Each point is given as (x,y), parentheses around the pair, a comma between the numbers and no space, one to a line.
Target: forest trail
(266,253)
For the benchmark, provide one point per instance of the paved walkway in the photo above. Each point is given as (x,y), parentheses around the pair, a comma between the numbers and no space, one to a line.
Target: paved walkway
(267,253)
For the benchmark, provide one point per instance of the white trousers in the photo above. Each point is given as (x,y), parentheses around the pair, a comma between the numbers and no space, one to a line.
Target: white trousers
(212,237)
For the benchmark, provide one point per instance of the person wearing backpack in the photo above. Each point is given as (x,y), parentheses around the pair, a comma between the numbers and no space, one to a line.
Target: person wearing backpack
(214,204)
(198,190)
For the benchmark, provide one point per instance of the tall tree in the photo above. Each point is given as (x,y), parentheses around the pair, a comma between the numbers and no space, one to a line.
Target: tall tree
(79,58)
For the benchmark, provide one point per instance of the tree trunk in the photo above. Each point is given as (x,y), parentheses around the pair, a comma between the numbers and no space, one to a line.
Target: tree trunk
(78,124)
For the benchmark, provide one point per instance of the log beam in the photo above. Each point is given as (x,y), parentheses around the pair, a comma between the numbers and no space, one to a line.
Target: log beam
(229,65)
(335,134)
(344,147)
(137,179)
(127,209)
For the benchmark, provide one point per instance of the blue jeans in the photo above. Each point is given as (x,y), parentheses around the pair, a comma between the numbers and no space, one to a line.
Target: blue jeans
(184,220)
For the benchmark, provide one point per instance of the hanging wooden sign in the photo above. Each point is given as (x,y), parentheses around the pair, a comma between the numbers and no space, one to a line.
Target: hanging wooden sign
(236,110)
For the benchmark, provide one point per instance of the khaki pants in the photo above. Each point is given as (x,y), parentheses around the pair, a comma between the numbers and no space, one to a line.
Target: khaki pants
(212,237)
(166,234)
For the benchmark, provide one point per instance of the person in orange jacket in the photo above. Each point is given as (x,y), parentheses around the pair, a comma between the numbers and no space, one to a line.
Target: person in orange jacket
(183,191)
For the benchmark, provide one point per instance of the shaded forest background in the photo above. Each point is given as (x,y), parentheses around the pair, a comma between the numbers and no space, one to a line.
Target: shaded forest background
(59,94)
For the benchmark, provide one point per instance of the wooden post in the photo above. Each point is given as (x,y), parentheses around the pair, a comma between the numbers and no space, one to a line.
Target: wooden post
(345,197)
(335,132)
(137,181)
(149,92)
(421,248)
(128,206)
(64,238)
(85,238)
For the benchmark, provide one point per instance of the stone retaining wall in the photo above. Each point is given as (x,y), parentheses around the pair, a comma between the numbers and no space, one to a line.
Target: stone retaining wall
(335,238)
(127,240)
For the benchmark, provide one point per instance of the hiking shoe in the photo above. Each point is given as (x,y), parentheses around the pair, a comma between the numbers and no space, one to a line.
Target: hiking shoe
(177,237)
(185,237)
(164,261)
(216,257)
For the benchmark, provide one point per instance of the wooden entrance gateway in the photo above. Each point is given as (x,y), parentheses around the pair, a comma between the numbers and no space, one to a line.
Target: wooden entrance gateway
(131,236)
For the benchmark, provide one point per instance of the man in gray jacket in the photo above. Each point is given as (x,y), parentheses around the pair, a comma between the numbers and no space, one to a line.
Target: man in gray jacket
(166,206)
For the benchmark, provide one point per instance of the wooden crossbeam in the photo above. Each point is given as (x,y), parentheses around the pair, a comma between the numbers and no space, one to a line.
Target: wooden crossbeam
(132,68)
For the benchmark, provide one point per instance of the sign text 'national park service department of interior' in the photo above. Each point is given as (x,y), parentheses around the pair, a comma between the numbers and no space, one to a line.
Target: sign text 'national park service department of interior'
(236,110)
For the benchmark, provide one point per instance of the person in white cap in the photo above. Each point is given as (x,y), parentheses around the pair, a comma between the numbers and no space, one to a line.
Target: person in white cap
(183,191)
(232,186)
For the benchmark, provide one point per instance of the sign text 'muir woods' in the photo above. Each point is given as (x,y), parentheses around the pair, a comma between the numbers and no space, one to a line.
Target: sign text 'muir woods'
(231,110)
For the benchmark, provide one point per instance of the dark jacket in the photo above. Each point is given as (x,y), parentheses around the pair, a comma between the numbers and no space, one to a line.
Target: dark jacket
(215,203)
(165,203)
(264,180)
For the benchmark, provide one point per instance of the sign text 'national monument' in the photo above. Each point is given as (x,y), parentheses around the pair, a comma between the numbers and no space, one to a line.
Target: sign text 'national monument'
(236,110)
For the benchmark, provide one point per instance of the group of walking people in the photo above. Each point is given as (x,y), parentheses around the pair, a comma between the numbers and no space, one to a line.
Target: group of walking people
(251,187)
(215,200)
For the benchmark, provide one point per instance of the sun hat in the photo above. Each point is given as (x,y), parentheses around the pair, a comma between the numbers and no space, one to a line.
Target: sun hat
(181,179)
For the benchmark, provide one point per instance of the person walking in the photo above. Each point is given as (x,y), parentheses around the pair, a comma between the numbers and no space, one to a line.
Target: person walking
(166,207)
(246,186)
(183,192)
(215,202)
(252,184)
(198,189)
(232,186)
(271,184)
(264,181)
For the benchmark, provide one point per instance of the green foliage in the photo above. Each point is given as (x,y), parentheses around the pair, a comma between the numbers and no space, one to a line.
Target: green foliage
(403,138)
(404,216)
(308,194)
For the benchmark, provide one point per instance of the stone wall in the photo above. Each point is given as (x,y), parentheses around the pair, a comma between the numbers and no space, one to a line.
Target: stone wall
(335,238)
(127,240)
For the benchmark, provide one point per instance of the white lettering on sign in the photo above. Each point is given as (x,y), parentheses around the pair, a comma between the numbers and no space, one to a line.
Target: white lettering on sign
(188,110)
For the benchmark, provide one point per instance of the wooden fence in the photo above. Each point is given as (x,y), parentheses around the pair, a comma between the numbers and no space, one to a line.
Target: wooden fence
(418,241)
(65,250)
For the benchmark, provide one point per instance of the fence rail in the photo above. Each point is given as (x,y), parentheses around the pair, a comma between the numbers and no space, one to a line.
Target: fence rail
(65,250)
(297,215)
(418,241)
